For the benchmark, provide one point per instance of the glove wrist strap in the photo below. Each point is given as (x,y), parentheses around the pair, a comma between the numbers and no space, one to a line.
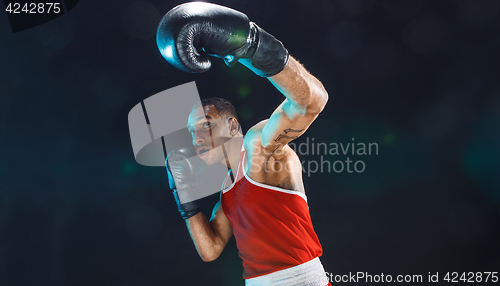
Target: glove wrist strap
(187,210)
(266,56)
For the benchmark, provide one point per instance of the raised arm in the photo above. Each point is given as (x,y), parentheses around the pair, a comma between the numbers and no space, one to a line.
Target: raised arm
(305,99)
(226,33)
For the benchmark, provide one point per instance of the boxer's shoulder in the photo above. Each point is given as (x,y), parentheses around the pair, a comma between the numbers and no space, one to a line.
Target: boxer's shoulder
(254,148)
(279,166)
(253,141)
(253,138)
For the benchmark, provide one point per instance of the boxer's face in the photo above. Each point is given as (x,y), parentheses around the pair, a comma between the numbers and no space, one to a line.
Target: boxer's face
(209,131)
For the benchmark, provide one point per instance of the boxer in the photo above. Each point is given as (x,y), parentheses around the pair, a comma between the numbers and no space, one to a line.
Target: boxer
(263,202)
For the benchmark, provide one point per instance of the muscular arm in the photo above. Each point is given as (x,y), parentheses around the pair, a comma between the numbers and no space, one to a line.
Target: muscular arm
(305,99)
(210,237)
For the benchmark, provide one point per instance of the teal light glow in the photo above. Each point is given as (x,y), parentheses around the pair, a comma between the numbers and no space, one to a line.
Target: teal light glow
(129,168)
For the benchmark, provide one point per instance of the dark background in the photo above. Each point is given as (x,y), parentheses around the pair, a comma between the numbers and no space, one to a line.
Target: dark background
(419,78)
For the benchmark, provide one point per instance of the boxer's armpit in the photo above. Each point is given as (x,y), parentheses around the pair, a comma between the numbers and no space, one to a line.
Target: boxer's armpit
(287,184)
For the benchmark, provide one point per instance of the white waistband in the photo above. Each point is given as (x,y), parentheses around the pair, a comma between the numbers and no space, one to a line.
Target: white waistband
(310,273)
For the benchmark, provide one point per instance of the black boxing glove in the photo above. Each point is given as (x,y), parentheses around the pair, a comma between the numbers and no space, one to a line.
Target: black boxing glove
(190,32)
(182,178)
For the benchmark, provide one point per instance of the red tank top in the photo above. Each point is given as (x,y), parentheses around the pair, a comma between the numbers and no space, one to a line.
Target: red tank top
(272,226)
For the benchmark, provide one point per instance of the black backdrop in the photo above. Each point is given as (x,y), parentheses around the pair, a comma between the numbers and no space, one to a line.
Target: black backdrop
(419,78)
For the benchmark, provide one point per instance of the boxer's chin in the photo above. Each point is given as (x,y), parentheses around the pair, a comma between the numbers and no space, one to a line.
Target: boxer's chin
(207,157)
(203,155)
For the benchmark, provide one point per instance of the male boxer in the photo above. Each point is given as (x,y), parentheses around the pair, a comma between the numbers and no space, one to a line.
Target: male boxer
(263,201)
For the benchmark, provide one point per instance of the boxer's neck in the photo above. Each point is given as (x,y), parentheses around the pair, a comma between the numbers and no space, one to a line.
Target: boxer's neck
(233,151)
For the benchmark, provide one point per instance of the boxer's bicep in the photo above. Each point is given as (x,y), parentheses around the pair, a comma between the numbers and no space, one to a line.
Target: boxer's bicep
(285,124)
(305,99)
(221,224)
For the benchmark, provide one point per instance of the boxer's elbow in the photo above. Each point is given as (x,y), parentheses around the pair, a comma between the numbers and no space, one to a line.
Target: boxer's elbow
(210,255)
(206,258)
(211,251)
(318,99)
(209,259)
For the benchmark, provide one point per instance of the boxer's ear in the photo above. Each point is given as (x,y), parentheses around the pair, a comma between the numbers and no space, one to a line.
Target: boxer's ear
(233,126)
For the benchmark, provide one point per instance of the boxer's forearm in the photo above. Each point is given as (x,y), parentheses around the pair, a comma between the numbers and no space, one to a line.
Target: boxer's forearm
(208,244)
(301,88)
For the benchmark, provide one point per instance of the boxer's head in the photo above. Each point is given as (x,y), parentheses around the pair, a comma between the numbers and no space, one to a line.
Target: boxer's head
(211,124)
